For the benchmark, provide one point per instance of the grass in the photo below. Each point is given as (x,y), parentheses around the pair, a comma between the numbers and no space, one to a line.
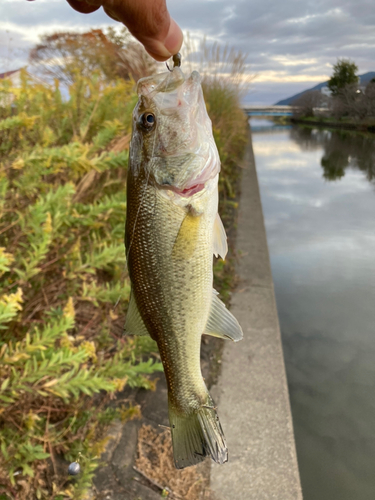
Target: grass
(230,128)
(62,265)
(331,124)
(187,484)
(365,124)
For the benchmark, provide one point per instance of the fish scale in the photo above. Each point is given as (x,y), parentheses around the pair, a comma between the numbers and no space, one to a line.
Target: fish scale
(163,286)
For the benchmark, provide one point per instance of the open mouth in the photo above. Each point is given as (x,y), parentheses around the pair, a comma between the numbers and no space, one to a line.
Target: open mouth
(191,190)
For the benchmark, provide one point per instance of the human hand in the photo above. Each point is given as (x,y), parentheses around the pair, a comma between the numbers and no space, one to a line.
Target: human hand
(148,20)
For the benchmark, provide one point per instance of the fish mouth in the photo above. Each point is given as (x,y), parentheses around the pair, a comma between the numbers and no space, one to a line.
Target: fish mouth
(187,184)
(184,192)
(196,188)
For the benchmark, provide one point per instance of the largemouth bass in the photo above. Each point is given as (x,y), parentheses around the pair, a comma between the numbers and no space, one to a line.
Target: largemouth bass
(172,231)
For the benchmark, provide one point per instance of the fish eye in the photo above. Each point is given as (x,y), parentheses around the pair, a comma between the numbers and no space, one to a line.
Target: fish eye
(147,121)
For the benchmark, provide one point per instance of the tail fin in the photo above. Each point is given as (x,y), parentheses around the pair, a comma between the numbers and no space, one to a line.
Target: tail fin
(197,435)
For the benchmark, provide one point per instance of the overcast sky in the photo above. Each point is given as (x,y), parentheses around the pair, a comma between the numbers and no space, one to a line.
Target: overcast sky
(291,44)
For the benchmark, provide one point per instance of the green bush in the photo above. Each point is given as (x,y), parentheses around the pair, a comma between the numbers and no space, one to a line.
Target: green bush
(230,130)
(62,270)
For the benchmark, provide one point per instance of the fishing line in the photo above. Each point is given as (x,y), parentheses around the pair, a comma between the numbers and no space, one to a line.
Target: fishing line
(149,171)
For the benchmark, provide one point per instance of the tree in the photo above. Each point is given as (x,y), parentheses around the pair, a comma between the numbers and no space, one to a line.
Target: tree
(65,55)
(369,98)
(306,103)
(344,73)
(348,102)
(334,165)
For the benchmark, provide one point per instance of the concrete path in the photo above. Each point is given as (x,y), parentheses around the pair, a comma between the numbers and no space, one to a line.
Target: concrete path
(252,394)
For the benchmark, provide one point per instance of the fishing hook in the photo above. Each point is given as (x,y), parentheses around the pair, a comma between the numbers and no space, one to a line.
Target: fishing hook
(176,61)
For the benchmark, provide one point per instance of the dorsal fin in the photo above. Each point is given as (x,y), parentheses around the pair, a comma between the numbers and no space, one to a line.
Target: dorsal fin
(220,238)
(221,322)
(134,323)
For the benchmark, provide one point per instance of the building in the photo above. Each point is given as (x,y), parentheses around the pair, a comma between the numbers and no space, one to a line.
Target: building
(14,76)
(325,91)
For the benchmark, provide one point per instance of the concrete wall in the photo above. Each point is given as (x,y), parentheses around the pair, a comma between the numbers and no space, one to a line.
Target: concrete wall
(252,393)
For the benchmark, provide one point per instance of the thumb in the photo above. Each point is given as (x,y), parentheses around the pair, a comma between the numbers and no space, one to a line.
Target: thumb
(148,20)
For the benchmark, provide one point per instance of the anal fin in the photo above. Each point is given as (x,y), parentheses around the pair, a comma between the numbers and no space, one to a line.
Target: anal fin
(221,322)
(134,324)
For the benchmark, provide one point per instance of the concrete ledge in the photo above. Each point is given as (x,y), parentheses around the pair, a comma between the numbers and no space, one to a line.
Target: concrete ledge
(252,393)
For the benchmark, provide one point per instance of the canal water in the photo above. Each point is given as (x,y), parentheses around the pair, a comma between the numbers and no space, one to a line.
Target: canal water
(318,195)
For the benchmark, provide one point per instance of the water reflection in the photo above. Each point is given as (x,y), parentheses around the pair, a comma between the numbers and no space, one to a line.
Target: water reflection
(322,244)
(267,125)
(342,149)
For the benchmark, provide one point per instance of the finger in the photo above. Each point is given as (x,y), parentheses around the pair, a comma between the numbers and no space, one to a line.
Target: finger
(149,21)
(161,51)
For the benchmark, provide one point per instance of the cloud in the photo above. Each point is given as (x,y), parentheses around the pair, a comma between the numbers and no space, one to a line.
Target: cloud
(25,21)
(287,42)
(284,76)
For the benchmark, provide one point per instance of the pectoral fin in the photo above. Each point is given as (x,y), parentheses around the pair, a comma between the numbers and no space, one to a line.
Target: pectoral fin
(187,237)
(221,322)
(220,238)
(134,323)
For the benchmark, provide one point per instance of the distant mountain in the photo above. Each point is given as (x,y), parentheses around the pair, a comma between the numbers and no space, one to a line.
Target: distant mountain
(365,78)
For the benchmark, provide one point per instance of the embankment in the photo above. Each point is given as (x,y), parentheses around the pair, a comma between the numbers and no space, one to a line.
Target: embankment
(361,127)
